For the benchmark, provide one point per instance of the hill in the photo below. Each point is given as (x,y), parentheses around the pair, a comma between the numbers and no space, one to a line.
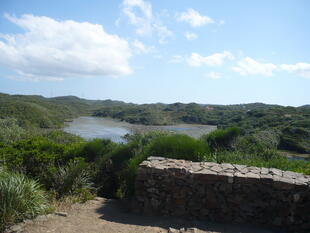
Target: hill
(38,111)
(287,127)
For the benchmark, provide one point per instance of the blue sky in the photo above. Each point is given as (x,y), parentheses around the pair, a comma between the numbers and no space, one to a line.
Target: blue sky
(216,52)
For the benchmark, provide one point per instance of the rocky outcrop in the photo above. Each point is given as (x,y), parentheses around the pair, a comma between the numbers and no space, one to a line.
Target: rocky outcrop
(224,193)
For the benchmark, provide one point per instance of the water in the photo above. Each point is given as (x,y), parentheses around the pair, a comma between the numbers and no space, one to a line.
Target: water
(97,127)
(93,127)
(295,156)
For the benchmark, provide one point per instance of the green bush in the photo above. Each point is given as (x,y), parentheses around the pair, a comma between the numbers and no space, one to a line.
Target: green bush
(111,167)
(32,157)
(295,139)
(269,138)
(144,138)
(178,147)
(38,157)
(10,130)
(61,137)
(96,148)
(221,139)
(72,179)
(20,198)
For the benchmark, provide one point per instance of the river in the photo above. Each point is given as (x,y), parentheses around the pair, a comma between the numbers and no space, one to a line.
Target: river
(97,127)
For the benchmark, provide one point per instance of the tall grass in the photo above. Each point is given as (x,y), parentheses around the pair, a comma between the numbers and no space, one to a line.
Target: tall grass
(20,198)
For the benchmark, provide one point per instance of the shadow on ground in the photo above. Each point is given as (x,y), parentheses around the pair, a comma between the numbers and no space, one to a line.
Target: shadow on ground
(116,211)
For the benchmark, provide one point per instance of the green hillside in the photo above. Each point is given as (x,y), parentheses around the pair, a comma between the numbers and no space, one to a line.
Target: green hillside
(287,127)
(37,111)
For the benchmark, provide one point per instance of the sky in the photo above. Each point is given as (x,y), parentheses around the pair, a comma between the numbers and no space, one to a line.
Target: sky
(143,51)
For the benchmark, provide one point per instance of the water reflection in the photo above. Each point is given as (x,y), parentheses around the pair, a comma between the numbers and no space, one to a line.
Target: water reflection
(95,127)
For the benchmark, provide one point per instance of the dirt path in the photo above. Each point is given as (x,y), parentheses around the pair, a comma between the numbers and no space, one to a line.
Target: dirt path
(108,216)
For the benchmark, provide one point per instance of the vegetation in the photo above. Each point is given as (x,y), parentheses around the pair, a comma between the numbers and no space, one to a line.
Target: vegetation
(20,198)
(40,163)
(290,125)
(38,112)
(178,147)
(222,138)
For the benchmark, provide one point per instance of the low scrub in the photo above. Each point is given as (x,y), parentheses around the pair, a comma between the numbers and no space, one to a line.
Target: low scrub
(178,147)
(221,139)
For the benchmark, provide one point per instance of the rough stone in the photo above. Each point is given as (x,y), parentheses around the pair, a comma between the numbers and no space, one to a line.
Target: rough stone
(239,167)
(216,168)
(223,192)
(227,166)
(63,214)
(172,230)
(16,228)
(264,171)
(275,171)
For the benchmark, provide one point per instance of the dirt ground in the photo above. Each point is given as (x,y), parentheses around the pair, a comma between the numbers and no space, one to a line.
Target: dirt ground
(109,216)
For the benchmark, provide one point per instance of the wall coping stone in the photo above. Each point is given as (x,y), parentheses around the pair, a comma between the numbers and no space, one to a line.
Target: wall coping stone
(226,169)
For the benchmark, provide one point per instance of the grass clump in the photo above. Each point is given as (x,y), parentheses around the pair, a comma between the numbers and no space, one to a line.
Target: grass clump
(72,179)
(20,198)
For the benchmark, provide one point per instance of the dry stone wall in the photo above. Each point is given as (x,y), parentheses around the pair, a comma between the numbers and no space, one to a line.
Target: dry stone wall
(223,193)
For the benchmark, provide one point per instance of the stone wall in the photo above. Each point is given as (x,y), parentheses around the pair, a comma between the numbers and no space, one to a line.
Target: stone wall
(223,193)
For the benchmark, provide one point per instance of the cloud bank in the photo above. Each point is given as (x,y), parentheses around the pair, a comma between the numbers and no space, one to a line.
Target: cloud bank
(54,50)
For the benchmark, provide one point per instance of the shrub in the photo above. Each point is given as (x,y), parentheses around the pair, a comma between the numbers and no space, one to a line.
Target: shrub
(268,138)
(20,198)
(144,138)
(111,167)
(72,179)
(178,147)
(295,139)
(61,137)
(39,158)
(10,130)
(92,150)
(32,157)
(221,139)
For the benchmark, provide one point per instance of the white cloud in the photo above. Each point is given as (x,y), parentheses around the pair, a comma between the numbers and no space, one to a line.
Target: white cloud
(216,59)
(214,75)
(141,48)
(190,35)
(249,66)
(300,69)
(51,49)
(194,18)
(139,13)
(162,32)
